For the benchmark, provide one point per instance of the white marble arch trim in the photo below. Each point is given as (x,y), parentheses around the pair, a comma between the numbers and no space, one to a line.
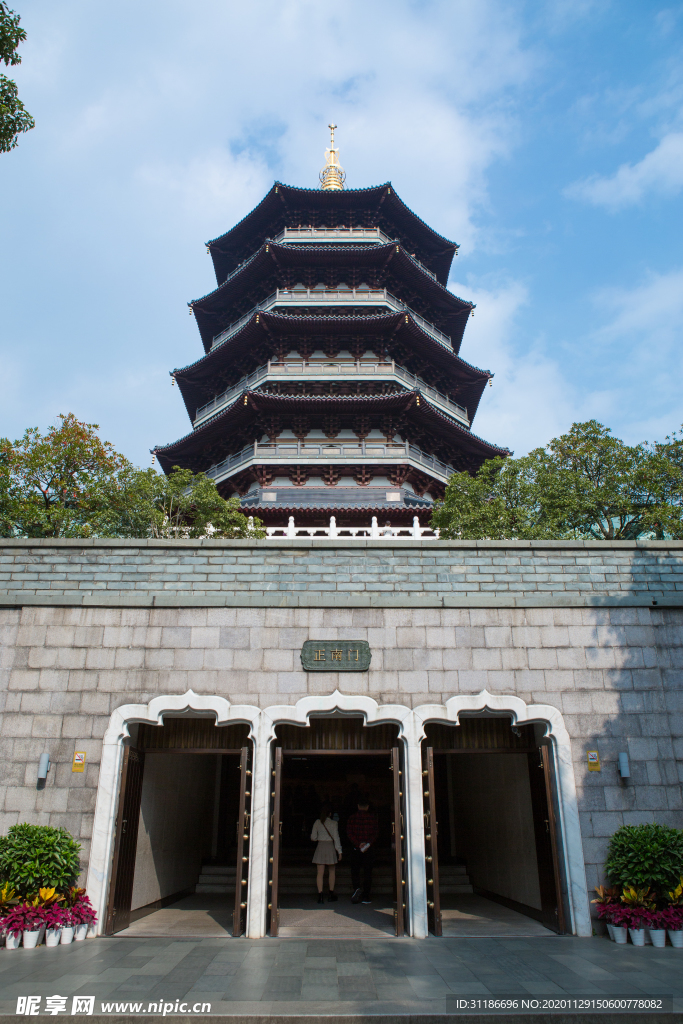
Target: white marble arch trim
(102,848)
(523,714)
(373,714)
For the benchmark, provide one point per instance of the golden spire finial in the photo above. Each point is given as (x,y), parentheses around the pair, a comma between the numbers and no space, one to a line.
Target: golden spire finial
(333,175)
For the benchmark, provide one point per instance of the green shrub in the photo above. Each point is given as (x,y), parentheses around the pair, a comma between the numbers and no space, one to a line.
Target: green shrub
(33,857)
(642,855)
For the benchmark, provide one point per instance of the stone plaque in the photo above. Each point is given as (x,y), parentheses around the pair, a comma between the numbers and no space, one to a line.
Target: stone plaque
(336,656)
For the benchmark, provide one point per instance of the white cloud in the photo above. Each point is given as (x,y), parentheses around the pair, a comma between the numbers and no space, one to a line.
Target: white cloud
(661,171)
(530,400)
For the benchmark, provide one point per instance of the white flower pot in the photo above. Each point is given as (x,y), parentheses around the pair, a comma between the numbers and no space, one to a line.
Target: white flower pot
(67,936)
(637,936)
(80,932)
(620,935)
(31,939)
(610,930)
(13,940)
(658,936)
(52,936)
(676,938)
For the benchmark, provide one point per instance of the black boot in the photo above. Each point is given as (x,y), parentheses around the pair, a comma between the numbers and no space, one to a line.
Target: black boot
(332,898)
(321,898)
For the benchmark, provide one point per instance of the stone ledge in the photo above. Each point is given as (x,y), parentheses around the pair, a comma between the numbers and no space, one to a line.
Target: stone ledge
(162,599)
(273,543)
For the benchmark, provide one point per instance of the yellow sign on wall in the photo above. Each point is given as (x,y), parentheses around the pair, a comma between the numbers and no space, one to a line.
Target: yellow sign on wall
(79,761)
(593,758)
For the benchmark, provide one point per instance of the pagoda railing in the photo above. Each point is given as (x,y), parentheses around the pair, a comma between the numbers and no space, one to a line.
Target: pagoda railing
(359,453)
(372,235)
(374,531)
(333,235)
(358,371)
(333,297)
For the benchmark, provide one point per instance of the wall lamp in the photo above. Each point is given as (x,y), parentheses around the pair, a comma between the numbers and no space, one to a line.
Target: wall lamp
(43,766)
(624,769)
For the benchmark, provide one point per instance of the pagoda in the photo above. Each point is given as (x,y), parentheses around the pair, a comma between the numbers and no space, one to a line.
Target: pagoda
(331,382)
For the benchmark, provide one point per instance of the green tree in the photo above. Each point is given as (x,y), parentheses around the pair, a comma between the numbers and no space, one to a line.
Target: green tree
(53,484)
(143,503)
(584,484)
(69,483)
(37,856)
(649,854)
(14,118)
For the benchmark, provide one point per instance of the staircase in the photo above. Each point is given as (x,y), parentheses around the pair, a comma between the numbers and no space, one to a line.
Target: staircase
(217,878)
(300,878)
(453,879)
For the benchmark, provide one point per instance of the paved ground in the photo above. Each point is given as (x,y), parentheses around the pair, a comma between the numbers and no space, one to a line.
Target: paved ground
(210,916)
(346,976)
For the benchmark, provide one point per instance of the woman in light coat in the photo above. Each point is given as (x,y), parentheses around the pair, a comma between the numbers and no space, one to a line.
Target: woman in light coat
(328,851)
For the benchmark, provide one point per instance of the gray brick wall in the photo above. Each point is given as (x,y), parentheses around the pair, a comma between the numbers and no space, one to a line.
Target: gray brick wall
(88,626)
(305,571)
(616,674)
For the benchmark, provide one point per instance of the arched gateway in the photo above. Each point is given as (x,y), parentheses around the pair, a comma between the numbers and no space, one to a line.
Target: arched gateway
(442,773)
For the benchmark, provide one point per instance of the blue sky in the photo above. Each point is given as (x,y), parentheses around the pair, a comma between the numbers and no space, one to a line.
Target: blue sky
(545,137)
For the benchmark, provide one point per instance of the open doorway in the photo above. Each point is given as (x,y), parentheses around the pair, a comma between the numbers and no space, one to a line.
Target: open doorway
(338,761)
(182,835)
(492,843)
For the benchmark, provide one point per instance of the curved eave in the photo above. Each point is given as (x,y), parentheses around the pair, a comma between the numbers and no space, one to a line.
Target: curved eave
(217,309)
(226,250)
(251,403)
(196,381)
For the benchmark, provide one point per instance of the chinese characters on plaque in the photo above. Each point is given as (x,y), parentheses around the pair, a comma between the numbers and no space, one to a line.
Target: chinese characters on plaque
(336,656)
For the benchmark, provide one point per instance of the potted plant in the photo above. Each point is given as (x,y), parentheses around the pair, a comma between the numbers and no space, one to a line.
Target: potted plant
(27,921)
(33,857)
(82,915)
(640,903)
(605,898)
(620,917)
(7,901)
(673,916)
(55,916)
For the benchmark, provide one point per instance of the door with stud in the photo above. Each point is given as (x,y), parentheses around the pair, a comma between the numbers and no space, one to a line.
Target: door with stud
(431,828)
(243,844)
(275,842)
(126,841)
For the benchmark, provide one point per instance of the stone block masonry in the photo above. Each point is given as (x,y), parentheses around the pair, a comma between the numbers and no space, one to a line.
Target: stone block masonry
(349,572)
(593,630)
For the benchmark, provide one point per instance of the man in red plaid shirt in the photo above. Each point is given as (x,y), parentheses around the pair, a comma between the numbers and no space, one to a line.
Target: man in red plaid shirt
(362,830)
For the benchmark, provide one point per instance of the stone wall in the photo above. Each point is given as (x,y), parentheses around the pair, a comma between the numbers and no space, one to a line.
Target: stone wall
(308,572)
(613,673)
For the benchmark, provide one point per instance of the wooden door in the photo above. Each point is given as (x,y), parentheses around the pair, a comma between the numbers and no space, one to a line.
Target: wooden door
(431,827)
(275,840)
(546,756)
(243,845)
(544,832)
(126,841)
(397,828)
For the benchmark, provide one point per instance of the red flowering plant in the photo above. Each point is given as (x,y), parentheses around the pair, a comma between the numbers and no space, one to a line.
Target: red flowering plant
(81,910)
(55,916)
(24,918)
(638,907)
(606,900)
(671,918)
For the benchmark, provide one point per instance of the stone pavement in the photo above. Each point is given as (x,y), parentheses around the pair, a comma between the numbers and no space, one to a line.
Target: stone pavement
(346,977)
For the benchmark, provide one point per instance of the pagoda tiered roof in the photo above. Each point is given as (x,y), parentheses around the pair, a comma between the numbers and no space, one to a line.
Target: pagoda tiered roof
(287,206)
(281,266)
(399,336)
(244,421)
